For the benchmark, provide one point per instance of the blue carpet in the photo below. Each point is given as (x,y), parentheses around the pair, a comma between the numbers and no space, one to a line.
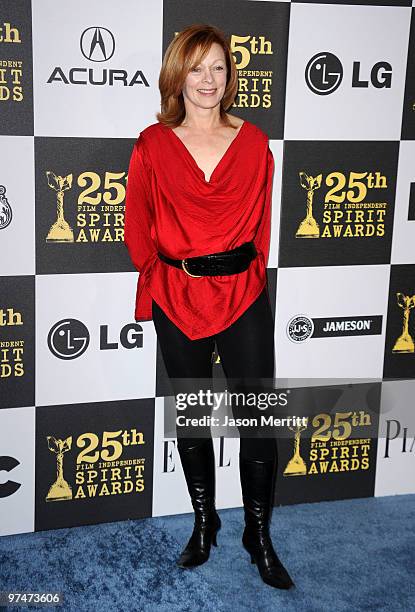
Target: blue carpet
(351,555)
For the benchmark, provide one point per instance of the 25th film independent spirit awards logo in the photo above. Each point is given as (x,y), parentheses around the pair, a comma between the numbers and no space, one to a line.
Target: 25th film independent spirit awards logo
(80,204)
(100,469)
(100,216)
(341,218)
(81,467)
(330,444)
(338,202)
(331,450)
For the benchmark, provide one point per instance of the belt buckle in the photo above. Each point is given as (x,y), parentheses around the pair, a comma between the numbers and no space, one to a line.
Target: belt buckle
(187,271)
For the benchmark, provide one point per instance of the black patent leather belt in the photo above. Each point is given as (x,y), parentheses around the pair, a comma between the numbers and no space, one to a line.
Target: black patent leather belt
(224,263)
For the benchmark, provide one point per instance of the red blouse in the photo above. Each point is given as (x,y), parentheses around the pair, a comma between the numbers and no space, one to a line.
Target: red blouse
(171,207)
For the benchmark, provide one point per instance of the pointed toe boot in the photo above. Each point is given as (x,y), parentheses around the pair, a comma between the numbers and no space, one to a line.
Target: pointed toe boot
(257,480)
(198,464)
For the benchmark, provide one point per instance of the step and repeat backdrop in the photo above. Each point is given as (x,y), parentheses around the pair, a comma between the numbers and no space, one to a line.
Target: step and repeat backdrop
(83,388)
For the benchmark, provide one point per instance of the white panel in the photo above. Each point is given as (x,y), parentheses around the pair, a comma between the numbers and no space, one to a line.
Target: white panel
(107,110)
(396,444)
(17,441)
(97,374)
(365,34)
(340,291)
(17,232)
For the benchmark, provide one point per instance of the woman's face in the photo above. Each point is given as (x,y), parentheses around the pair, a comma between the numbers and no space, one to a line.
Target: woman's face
(205,84)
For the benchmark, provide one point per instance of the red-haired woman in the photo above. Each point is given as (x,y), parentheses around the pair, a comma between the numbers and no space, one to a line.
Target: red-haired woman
(197,227)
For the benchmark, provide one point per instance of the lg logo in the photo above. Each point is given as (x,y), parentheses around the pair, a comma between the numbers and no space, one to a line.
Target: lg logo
(324,74)
(69,338)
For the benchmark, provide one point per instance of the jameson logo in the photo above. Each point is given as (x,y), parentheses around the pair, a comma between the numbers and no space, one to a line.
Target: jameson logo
(11,71)
(97,203)
(254,85)
(345,209)
(302,327)
(100,469)
(332,448)
(11,351)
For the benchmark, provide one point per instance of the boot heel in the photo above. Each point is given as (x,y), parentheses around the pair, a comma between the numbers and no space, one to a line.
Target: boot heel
(249,553)
(215,532)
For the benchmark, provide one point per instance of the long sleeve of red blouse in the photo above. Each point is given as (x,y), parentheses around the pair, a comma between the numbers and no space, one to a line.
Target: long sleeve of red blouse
(263,235)
(138,225)
(172,208)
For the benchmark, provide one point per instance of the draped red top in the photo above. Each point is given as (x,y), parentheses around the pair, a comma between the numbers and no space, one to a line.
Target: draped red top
(171,207)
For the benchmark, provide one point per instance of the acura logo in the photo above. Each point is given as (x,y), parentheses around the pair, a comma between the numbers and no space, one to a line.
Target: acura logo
(97,44)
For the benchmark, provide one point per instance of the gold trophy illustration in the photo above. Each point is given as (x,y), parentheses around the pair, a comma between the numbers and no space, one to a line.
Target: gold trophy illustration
(60,231)
(296,465)
(405,342)
(60,490)
(308,227)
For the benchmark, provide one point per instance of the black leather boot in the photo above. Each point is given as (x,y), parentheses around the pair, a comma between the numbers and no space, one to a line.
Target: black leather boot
(198,463)
(257,480)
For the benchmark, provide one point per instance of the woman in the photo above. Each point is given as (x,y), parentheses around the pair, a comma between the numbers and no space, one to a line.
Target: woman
(197,228)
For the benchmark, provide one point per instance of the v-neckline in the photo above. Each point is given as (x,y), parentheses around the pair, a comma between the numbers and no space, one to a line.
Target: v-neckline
(209,182)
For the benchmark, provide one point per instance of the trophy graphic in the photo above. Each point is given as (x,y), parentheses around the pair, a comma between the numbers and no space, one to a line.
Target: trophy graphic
(308,227)
(60,231)
(60,490)
(215,357)
(296,465)
(405,342)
